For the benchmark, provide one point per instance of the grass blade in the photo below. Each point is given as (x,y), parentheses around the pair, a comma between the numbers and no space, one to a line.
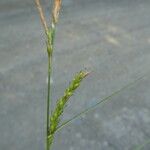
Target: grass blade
(97,104)
(140,147)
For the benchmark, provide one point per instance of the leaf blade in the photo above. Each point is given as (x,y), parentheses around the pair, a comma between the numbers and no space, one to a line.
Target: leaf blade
(140,147)
(66,123)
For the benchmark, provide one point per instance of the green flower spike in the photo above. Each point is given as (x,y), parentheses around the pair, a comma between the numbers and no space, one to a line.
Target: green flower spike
(61,103)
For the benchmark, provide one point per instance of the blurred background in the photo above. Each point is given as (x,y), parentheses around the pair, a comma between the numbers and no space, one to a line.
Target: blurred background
(111,38)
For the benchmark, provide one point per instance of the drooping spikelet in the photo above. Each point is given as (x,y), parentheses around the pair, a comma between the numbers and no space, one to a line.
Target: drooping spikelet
(55,117)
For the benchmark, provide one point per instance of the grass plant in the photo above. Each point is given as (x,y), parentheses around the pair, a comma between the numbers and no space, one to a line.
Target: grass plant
(53,122)
(53,119)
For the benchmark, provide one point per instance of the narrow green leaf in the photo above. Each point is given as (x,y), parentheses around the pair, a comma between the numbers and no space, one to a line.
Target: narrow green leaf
(140,147)
(97,104)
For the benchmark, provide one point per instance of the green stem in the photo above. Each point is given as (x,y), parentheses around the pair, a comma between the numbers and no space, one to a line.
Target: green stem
(47,144)
(50,42)
(48,101)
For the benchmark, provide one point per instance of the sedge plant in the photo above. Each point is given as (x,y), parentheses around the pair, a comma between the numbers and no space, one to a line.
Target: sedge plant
(53,115)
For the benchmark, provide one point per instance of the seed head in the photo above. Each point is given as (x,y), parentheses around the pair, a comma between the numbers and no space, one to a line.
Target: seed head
(61,103)
(56,10)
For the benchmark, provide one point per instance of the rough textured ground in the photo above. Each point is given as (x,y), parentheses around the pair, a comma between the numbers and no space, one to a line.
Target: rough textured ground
(109,37)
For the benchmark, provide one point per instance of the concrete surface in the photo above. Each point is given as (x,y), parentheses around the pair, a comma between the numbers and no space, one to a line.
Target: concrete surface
(109,37)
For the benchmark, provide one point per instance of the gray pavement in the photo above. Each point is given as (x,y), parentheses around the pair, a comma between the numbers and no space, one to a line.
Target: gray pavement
(109,37)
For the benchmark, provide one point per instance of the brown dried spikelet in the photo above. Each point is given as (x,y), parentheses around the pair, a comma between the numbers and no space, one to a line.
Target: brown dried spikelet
(56,10)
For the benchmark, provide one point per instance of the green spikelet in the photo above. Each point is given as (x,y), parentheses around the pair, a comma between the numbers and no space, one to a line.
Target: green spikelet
(55,117)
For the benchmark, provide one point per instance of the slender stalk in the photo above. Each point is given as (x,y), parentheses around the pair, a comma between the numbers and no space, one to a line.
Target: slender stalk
(50,44)
(50,41)
(49,51)
(50,35)
(48,101)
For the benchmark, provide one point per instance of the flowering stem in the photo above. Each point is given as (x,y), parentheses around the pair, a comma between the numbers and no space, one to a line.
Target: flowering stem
(50,35)
(48,100)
